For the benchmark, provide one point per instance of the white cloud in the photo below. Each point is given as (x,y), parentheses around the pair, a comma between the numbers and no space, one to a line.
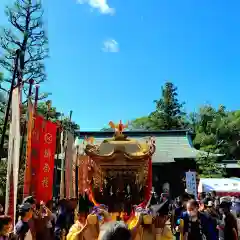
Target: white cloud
(110,45)
(101,5)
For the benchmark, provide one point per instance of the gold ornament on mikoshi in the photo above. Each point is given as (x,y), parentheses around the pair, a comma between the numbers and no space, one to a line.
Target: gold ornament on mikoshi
(118,128)
(89,140)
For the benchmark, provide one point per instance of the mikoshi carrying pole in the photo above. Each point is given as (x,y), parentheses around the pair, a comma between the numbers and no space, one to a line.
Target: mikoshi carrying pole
(9,102)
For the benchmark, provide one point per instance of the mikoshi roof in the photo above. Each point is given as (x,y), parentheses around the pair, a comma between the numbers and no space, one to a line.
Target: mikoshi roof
(133,149)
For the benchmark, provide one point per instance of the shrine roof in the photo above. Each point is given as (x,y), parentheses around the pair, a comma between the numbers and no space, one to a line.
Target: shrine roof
(132,133)
(171,148)
(170,145)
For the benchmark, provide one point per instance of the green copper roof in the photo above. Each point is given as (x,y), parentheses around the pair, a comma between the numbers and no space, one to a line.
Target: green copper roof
(169,145)
(174,147)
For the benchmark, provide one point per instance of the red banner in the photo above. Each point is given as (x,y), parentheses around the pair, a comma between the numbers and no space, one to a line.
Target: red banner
(43,152)
(46,163)
(35,153)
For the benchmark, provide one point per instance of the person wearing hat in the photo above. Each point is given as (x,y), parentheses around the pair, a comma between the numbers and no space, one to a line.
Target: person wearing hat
(230,229)
(30,200)
(22,229)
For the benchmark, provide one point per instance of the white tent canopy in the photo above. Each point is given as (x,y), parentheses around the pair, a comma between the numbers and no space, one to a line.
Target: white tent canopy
(219,185)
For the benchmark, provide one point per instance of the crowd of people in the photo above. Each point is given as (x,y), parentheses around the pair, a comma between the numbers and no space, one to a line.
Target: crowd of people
(208,218)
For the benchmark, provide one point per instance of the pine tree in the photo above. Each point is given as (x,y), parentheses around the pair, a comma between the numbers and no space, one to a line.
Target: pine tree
(26,33)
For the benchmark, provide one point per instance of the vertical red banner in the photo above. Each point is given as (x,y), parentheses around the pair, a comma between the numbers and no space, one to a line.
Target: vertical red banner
(37,133)
(46,162)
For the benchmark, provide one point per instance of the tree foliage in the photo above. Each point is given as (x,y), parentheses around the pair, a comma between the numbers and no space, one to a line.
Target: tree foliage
(26,33)
(2,97)
(55,116)
(217,130)
(141,123)
(168,114)
(208,165)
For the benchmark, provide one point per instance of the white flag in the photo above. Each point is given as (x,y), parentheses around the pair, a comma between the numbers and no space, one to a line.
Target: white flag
(13,151)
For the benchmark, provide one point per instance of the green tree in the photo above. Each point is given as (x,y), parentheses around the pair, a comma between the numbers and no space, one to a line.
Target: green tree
(3,177)
(218,128)
(52,114)
(26,32)
(2,99)
(141,123)
(168,114)
(208,165)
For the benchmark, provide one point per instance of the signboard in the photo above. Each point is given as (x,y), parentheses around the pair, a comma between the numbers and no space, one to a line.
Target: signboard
(191,184)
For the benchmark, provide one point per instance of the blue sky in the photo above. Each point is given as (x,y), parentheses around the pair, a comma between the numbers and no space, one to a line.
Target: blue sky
(194,44)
